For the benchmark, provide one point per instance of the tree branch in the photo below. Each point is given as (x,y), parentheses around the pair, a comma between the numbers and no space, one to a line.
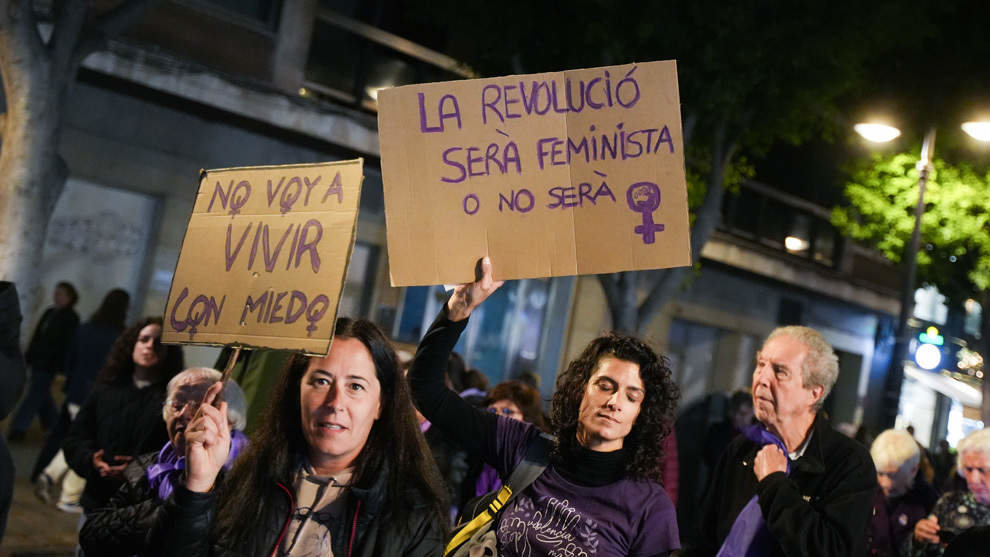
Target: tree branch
(690,120)
(706,219)
(610,286)
(69,19)
(662,290)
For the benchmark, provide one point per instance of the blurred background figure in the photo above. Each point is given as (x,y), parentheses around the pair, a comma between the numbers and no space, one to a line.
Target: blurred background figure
(944,460)
(86,355)
(513,399)
(959,510)
(12,375)
(45,357)
(121,418)
(124,526)
(738,415)
(903,499)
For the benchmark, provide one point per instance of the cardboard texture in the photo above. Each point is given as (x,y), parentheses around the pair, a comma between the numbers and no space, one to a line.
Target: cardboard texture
(550,174)
(264,257)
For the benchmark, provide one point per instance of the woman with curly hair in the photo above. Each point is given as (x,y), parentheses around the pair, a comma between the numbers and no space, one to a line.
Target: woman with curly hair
(337,467)
(611,410)
(121,418)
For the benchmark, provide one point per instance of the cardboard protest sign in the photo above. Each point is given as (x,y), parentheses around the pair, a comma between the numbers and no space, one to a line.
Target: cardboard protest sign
(551,174)
(265,255)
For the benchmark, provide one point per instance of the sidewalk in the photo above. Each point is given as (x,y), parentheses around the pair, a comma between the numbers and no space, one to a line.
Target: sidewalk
(34,529)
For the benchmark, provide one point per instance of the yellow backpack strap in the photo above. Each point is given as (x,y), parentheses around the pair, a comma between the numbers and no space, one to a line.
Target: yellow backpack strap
(534,462)
(465,533)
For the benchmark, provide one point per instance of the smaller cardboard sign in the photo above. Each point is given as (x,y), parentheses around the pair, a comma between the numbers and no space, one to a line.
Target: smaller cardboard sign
(551,174)
(265,256)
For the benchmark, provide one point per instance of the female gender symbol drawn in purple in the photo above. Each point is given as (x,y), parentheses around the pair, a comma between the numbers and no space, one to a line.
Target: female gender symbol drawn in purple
(644,197)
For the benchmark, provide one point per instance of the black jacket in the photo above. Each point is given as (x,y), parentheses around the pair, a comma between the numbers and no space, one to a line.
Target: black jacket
(12,372)
(51,339)
(188,530)
(129,521)
(120,419)
(86,356)
(821,509)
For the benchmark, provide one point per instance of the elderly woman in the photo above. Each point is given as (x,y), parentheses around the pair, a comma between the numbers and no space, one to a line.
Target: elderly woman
(130,519)
(957,511)
(121,418)
(903,499)
(612,408)
(338,466)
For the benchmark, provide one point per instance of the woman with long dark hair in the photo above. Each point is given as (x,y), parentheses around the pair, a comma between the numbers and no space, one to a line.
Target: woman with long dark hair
(610,412)
(338,466)
(121,418)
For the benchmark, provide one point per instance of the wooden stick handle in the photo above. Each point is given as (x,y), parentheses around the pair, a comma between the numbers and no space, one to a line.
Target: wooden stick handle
(230,365)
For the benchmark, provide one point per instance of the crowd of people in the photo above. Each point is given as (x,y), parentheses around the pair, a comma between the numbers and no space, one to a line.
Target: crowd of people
(368,452)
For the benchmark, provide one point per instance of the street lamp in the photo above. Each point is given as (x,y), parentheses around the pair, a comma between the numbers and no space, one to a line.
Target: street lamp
(877,132)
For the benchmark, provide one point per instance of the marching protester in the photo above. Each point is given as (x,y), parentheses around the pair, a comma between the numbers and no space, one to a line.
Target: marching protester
(337,467)
(85,357)
(961,510)
(127,523)
(611,410)
(121,418)
(904,496)
(45,357)
(790,484)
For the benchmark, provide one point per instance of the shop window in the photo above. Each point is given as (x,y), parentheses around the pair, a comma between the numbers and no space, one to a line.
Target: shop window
(506,335)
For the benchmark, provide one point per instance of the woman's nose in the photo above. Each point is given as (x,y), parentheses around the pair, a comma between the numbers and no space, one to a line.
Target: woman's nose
(613,401)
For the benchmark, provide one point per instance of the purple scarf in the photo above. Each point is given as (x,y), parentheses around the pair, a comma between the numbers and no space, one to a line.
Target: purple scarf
(163,474)
(749,536)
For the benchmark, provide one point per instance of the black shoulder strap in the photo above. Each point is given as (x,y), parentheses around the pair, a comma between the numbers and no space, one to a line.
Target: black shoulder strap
(534,462)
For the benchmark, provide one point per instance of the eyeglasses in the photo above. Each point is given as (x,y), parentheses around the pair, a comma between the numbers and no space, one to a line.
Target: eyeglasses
(177,405)
(507,412)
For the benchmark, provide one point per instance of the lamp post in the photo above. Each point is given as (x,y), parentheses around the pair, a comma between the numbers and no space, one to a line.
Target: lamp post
(883,133)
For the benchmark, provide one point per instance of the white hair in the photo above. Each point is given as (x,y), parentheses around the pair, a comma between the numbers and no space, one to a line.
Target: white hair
(821,365)
(232,393)
(976,442)
(895,448)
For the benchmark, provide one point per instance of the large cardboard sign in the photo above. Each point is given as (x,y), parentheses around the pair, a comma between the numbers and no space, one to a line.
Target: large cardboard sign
(265,255)
(551,174)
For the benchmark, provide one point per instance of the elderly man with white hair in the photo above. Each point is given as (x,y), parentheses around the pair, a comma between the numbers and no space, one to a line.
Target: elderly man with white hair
(126,525)
(904,497)
(790,485)
(958,511)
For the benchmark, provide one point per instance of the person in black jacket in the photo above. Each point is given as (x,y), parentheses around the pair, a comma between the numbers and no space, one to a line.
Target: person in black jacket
(790,485)
(122,416)
(45,356)
(338,466)
(125,525)
(86,356)
(12,375)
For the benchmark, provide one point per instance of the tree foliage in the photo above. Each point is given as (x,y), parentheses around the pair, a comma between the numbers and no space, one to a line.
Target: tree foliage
(955,227)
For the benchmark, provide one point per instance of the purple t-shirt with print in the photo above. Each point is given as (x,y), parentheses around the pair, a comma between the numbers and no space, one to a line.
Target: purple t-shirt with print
(556,517)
